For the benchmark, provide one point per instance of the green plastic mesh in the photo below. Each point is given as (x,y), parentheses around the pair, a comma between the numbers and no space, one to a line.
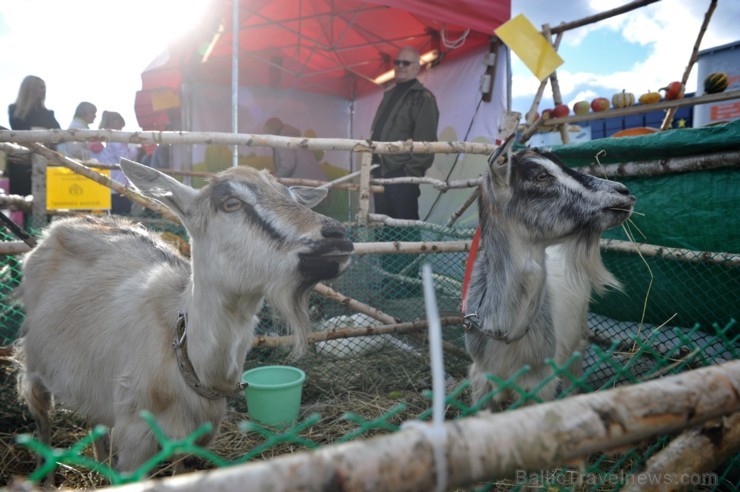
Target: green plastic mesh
(672,316)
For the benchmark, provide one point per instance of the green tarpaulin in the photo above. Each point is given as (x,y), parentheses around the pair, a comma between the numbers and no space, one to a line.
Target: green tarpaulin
(699,211)
(660,145)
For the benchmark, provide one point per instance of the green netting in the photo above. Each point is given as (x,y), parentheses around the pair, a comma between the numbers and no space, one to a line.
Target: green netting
(365,386)
(695,210)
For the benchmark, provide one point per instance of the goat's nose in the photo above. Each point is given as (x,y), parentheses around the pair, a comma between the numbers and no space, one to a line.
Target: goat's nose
(333,230)
(621,189)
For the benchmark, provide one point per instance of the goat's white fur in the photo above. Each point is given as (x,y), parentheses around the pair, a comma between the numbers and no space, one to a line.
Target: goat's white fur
(538,263)
(102,298)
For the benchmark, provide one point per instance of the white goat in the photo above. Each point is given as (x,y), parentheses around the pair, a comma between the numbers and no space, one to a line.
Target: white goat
(118,322)
(539,259)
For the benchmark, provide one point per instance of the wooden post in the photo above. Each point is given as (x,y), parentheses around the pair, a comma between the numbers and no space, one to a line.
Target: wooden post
(530,120)
(668,119)
(487,447)
(556,96)
(491,68)
(694,452)
(364,201)
(38,190)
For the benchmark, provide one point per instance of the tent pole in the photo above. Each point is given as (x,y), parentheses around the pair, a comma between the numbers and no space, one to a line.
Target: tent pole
(235,82)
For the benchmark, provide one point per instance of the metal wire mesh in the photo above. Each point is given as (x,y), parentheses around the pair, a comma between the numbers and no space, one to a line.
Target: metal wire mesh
(672,316)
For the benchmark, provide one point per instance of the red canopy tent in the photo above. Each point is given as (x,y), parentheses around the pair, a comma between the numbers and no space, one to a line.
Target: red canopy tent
(326,46)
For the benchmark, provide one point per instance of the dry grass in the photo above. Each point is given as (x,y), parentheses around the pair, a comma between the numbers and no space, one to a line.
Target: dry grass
(367,387)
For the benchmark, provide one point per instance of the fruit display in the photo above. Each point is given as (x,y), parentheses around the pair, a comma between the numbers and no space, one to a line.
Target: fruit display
(599,104)
(581,107)
(649,98)
(560,111)
(623,99)
(534,116)
(716,82)
(674,90)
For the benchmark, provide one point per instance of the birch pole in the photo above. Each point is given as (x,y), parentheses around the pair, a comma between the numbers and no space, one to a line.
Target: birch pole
(363,331)
(56,136)
(487,447)
(691,453)
(38,188)
(530,116)
(557,97)
(354,304)
(364,200)
(102,179)
(668,119)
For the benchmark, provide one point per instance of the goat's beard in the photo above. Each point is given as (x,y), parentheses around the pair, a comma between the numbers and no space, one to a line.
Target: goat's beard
(583,256)
(291,302)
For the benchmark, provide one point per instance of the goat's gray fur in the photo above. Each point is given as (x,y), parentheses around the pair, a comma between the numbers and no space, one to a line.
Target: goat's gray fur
(538,261)
(102,297)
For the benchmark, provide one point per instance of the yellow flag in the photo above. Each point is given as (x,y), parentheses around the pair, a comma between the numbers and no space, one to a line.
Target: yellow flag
(530,46)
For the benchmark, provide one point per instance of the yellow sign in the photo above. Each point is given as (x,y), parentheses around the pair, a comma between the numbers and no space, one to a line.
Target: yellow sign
(67,190)
(530,46)
(164,99)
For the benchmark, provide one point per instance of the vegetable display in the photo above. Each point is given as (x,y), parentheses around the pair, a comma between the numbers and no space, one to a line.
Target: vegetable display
(716,82)
(623,99)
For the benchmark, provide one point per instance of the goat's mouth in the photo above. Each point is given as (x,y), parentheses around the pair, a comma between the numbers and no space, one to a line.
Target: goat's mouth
(619,209)
(326,260)
(623,207)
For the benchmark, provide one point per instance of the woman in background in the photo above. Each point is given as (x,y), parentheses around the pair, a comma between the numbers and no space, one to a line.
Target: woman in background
(27,112)
(111,154)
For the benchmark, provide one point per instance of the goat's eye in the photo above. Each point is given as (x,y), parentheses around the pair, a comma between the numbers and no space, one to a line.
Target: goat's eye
(542,177)
(231,205)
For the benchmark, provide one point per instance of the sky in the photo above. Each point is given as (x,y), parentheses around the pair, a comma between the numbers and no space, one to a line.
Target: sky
(95,50)
(86,50)
(638,51)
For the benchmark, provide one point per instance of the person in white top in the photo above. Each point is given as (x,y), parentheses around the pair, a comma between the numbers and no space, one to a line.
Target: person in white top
(112,153)
(84,116)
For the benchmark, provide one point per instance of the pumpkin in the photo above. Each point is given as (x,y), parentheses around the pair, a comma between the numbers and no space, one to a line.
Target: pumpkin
(716,82)
(674,90)
(650,98)
(623,99)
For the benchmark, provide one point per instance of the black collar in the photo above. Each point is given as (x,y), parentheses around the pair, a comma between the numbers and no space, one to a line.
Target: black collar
(179,343)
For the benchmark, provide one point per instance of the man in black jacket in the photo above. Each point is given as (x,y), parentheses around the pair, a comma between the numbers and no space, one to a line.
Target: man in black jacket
(407,111)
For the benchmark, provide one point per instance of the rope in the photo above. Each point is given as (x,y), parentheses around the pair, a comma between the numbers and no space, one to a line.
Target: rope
(456,43)
(436,433)
(469,269)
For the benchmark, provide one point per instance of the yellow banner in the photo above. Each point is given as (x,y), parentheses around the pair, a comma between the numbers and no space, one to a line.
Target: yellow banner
(530,46)
(67,190)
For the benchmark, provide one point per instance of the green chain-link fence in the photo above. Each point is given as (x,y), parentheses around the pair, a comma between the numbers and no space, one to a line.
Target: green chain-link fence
(673,315)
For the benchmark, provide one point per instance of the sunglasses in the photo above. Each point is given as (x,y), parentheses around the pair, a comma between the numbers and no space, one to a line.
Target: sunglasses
(402,63)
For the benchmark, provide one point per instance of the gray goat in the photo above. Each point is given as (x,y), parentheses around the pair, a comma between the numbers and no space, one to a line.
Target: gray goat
(538,261)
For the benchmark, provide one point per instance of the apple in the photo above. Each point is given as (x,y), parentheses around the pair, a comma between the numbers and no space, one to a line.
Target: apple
(581,107)
(600,104)
(547,114)
(674,90)
(533,115)
(561,111)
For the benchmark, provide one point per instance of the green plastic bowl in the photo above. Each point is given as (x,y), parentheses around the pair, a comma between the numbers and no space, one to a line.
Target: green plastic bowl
(273,394)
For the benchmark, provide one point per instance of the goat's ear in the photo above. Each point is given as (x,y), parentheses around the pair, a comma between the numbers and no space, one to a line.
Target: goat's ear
(159,186)
(499,161)
(500,172)
(308,196)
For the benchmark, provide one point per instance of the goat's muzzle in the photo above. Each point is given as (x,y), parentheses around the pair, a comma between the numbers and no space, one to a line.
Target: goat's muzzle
(328,258)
